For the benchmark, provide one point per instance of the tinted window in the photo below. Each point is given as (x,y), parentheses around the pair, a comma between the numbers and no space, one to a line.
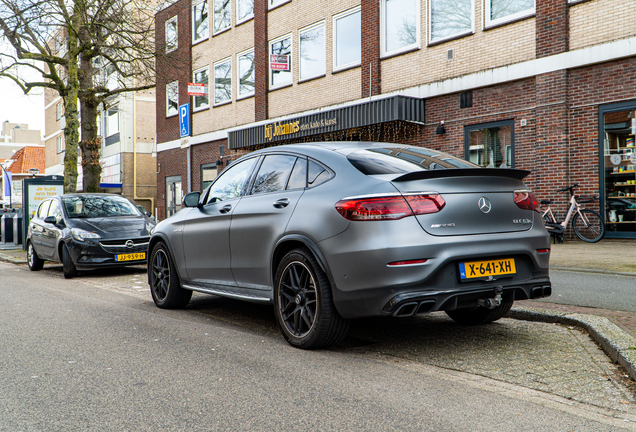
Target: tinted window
(44,209)
(55,209)
(298,179)
(99,206)
(403,160)
(273,174)
(231,182)
(317,174)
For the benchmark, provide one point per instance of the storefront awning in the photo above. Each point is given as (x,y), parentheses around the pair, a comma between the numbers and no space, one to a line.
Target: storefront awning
(402,108)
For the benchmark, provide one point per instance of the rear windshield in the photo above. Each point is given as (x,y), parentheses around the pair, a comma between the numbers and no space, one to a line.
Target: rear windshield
(395,160)
(98,207)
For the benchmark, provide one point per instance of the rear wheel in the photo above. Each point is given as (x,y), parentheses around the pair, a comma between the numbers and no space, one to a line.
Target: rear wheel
(68,266)
(303,304)
(34,261)
(589,226)
(165,286)
(479,315)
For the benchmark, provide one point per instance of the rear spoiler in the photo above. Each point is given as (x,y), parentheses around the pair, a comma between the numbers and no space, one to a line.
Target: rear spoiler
(464,172)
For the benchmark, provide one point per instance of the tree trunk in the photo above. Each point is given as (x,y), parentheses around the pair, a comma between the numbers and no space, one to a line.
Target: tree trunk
(71,115)
(91,143)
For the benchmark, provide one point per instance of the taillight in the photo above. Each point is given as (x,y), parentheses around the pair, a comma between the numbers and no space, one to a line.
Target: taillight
(526,200)
(389,207)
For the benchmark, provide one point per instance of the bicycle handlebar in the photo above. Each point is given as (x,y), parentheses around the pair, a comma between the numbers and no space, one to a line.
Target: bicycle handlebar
(571,189)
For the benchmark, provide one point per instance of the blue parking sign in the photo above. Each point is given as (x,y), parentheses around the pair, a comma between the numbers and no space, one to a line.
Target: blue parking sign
(184,120)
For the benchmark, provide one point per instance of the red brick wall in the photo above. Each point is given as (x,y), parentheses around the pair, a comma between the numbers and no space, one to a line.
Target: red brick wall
(170,163)
(552,27)
(370,58)
(205,154)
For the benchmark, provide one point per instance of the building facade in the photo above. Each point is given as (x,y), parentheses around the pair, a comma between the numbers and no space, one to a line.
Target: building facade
(543,85)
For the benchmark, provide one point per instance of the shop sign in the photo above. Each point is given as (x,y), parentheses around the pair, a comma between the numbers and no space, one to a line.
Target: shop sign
(197,89)
(279,62)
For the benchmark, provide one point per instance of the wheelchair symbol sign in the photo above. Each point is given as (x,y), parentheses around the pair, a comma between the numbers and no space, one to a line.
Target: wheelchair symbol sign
(184,120)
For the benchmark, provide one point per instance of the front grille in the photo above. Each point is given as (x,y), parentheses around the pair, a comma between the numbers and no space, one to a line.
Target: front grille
(119,246)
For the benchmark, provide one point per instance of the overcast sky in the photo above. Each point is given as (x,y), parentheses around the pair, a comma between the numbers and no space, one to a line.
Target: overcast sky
(18,108)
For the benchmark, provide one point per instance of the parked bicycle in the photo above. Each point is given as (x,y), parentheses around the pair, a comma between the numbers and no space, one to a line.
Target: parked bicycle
(587,224)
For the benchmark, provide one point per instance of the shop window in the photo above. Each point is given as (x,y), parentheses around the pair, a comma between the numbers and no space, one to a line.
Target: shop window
(202,76)
(450,18)
(490,145)
(280,52)
(245,70)
(172,41)
(244,10)
(172,98)
(311,49)
(619,162)
(200,27)
(502,11)
(274,3)
(223,82)
(208,174)
(111,169)
(222,15)
(174,194)
(400,26)
(347,36)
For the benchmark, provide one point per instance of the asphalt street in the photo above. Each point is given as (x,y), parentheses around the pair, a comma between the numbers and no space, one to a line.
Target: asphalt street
(94,353)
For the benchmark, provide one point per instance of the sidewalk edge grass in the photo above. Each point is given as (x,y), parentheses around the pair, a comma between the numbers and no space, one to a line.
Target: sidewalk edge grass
(617,344)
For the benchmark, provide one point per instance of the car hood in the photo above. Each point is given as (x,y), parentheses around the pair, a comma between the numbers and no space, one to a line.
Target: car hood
(115,227)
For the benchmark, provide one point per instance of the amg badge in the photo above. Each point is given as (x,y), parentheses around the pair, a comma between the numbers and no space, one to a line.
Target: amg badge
(448,225)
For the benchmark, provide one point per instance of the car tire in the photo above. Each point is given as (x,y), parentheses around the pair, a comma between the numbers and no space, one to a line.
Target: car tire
(165,286)
(303,303)
(479,315)
(68,267)
(33,260)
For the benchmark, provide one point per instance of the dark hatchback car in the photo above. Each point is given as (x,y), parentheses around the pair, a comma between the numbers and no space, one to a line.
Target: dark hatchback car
(88,231)
(327,232)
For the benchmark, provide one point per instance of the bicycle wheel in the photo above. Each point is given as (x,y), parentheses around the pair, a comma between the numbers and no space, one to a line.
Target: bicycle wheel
(588,225)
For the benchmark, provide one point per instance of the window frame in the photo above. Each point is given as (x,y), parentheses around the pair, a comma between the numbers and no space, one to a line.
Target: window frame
(59,143)
(176,34)
(291,58)
(480,126)
(344,14)
(58,111)
(218,63)
(488,23)
(196,3)
(168,99)
(238,75)
(194,98)
(324,51)
(273,4)
(224,29)
(207,166)
(247,17)
(407,48)
(453,36)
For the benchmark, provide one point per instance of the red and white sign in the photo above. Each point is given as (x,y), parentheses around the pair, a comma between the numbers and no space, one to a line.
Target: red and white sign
(279,62)
(197,89)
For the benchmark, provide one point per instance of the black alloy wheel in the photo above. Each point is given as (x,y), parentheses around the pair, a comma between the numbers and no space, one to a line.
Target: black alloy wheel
(68,267)
(303,303)
(164,282)
(34,261)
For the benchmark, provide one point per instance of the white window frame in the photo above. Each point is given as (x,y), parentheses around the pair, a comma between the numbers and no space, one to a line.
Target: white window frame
(247,17)
(168,100)
(58,111)
(514,17)
(291,57)
(196,3)
(220,62)
(59,144)
(194,98)
(271,4)
(238,75)
(324,51)
(456,35)
(107,129)
(176,28)
(416,45)
(224,29)
(341,15)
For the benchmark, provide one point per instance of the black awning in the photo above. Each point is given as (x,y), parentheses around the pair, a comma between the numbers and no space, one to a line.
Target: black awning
(402,108)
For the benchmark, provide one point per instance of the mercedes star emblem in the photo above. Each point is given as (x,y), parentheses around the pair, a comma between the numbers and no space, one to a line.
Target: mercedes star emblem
(484,205)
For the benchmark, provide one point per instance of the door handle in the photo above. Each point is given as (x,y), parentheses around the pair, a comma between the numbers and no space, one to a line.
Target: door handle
(283,202)
(225,208)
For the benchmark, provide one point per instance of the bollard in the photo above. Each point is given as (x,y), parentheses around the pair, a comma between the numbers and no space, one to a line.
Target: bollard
(17,229)
(6,224)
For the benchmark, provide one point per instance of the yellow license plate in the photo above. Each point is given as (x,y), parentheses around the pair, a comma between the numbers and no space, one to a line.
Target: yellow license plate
(483,269)
(131,256)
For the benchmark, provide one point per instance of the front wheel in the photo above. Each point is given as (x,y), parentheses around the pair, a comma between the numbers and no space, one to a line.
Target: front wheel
(303,304)
(165,286)
(68,267)
(588,225)
(479,315)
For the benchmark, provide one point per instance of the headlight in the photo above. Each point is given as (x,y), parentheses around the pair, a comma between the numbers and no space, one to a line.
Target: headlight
(82,235)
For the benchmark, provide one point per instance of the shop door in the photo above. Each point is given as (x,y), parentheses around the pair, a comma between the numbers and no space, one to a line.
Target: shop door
(174,195)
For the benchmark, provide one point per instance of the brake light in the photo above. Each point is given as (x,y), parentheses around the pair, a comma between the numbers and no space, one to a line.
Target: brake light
(389,207)
(526,200)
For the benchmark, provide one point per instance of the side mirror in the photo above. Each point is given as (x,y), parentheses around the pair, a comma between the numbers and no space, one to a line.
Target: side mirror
(192,199)
(50,220)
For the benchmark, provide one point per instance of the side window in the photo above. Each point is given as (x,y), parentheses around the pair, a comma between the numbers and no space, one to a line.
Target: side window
(231,182)
(273,174)
(55,209)
(298,178)
(317,174)
(44,209)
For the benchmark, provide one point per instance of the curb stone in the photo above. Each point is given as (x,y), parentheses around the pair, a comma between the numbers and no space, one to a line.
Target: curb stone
(616,343)
(606,272)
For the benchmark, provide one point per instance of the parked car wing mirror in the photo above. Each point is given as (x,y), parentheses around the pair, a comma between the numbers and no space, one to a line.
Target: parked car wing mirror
(50,220)
(192,199)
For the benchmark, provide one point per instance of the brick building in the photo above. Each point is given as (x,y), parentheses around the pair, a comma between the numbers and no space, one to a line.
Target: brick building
(543,85)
